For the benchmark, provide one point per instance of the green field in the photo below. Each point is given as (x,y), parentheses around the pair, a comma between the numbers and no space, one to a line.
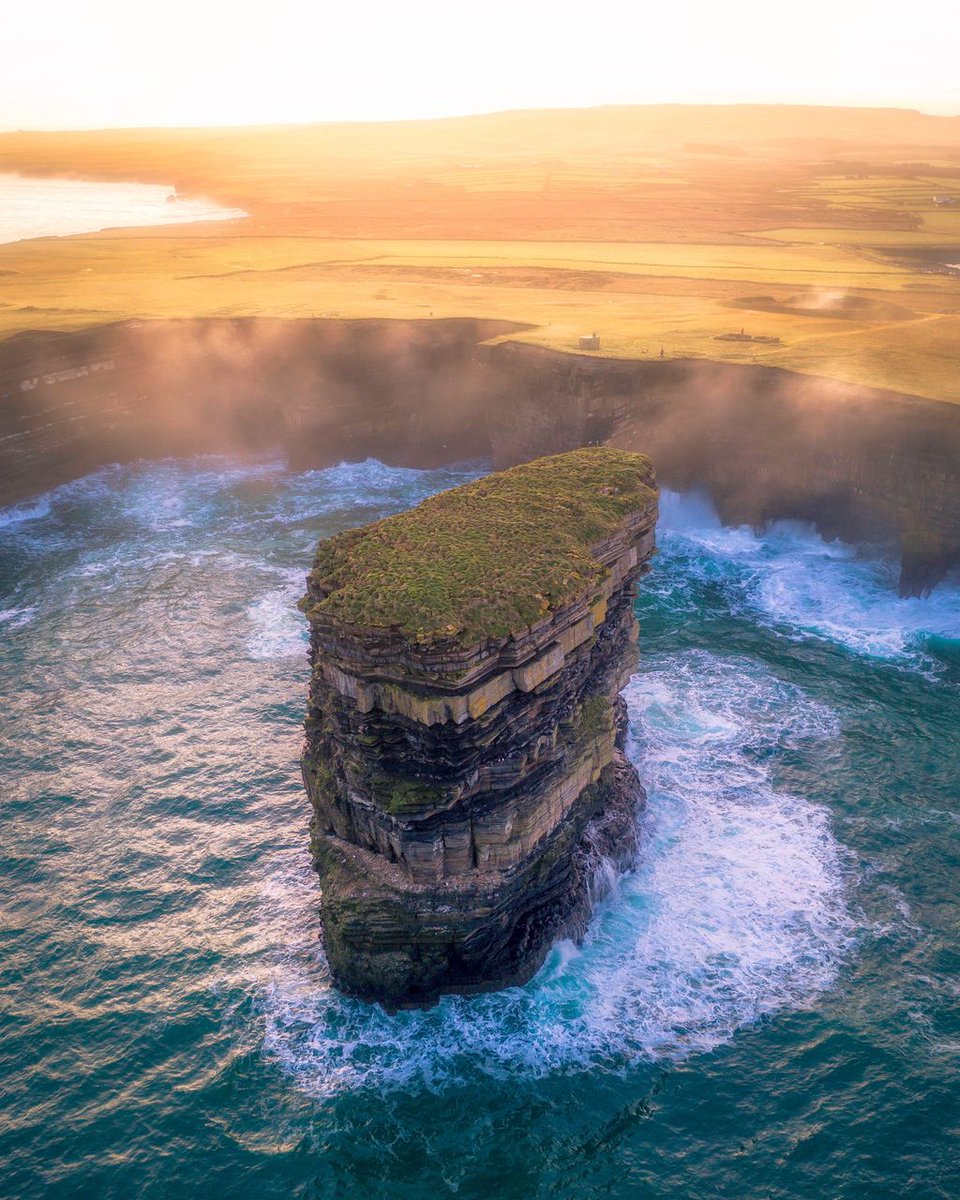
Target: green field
(808,239)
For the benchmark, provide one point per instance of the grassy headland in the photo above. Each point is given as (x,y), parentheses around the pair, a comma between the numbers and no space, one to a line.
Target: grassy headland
(485,559)
(806,238)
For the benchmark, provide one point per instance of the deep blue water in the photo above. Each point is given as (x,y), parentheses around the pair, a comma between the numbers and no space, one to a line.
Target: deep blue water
(768,1007)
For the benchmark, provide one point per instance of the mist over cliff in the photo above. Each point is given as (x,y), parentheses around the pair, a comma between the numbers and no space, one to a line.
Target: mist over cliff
(764,443)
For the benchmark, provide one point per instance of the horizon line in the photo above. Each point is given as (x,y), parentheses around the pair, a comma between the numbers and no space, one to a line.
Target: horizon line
(478,115)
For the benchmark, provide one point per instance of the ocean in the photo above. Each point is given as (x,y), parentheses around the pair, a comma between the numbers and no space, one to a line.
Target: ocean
(31,208)
(768,1006)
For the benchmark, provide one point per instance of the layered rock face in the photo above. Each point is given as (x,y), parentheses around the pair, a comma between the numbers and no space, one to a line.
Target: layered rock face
(464,751)
(318,391)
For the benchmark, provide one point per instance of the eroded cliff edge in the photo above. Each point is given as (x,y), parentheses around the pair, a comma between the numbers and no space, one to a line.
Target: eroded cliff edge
(464,749)
(860,463)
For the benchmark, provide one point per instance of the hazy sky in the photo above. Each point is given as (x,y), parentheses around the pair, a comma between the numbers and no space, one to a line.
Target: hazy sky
(90,63)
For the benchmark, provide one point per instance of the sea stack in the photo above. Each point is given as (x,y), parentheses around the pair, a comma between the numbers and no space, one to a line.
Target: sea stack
(465,732)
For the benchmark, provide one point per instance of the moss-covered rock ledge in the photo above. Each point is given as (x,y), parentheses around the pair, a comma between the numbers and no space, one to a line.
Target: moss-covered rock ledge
(486,559)
(464,732)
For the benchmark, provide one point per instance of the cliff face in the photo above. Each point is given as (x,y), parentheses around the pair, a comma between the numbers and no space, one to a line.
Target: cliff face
(763,443)
(464,751)
(318,391)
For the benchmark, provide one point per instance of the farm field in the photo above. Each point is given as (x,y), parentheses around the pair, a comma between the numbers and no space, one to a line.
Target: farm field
(812,239)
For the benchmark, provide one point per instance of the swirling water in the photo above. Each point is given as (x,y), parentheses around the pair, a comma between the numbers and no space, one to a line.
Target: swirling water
(766,1007)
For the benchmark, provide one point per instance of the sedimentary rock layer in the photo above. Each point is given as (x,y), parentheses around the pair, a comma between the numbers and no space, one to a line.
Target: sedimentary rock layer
(464,751)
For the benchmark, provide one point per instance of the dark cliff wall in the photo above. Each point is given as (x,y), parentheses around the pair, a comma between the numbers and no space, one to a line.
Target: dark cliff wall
(321,391)
(763,443)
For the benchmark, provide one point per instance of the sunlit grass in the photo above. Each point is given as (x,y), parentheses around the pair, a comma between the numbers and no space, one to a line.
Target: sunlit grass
(653,227)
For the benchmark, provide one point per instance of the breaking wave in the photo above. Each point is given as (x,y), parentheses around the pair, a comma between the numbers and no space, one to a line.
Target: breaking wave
(793,580)
(278,629)
(29,511)
(736,911)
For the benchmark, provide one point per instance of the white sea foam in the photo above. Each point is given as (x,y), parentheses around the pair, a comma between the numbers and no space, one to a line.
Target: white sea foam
(805,586)
(355,481)
(13,618)
(278,629)
(19,513)
(736,911)
(367,484)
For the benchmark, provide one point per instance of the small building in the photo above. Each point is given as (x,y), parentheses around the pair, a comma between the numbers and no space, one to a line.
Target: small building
(590,341)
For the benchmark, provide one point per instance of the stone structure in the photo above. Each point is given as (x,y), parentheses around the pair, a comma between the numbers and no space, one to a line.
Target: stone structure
(465,731)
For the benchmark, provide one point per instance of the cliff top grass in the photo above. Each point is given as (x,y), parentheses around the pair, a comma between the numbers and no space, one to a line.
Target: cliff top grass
(483,560)
(656,226)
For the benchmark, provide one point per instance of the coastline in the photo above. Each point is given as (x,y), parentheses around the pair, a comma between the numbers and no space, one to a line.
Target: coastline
(58,206)
(762,442)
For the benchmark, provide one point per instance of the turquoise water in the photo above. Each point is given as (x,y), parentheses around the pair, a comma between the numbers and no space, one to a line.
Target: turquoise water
(768,1007)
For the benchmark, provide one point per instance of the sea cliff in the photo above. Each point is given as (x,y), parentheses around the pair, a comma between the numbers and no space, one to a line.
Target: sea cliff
(860,463)
(464,749)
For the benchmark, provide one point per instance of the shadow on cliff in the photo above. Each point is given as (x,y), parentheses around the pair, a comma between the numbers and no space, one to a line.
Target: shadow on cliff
(764,443)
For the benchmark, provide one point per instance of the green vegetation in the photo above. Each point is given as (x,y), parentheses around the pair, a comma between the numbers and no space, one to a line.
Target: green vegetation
(655,226)
(486,559)
(594,719)
(403,796)
(318,768)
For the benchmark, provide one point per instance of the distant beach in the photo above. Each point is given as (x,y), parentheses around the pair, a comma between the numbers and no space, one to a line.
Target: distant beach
(31,208)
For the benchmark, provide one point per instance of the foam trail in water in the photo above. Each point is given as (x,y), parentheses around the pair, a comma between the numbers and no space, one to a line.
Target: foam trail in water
(802,585)
(13,618)
(737,911)
(278,628)
(31,511)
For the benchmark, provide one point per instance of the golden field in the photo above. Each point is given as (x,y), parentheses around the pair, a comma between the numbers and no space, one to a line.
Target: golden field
(681,230)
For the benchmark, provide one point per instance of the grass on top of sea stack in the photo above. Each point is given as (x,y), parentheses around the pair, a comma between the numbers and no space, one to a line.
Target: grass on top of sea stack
(486,559)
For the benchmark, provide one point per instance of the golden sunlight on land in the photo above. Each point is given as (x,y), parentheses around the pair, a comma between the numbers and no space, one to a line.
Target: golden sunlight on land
(811,239)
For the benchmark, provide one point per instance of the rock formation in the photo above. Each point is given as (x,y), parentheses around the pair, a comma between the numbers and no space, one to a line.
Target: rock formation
(464,751)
